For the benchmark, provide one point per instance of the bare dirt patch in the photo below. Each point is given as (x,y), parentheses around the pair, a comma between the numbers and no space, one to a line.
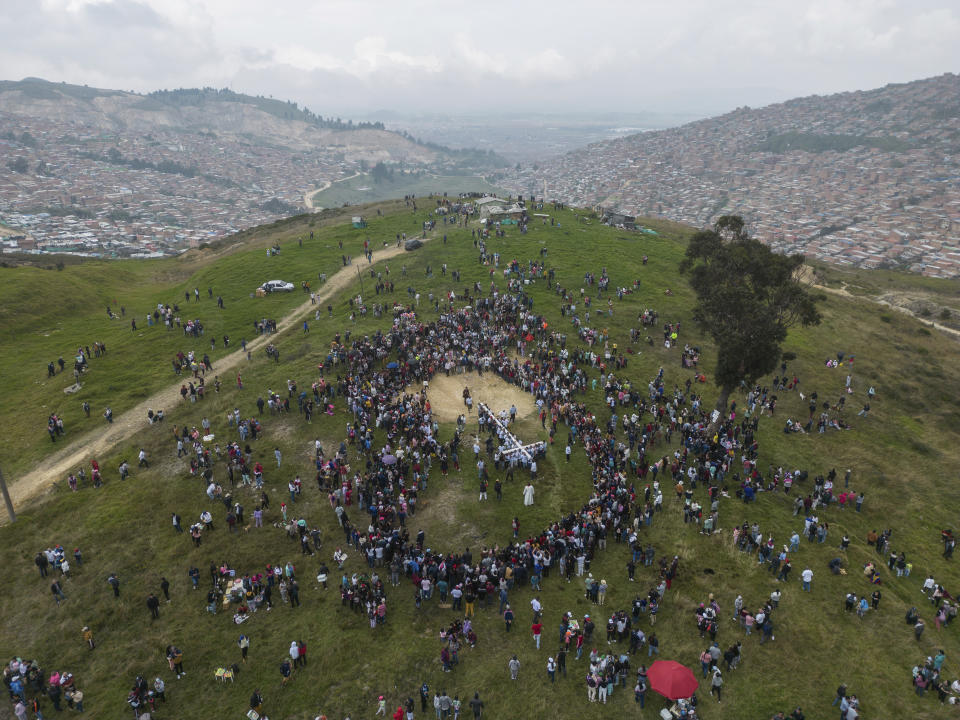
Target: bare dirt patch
(439,512)
(446,395)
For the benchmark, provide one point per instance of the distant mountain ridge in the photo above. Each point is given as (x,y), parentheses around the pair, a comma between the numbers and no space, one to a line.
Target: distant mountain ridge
(222,112)
(289,110)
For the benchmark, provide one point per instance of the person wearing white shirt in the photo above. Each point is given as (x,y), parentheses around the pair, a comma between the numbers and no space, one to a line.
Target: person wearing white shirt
(806,577)
(537,608)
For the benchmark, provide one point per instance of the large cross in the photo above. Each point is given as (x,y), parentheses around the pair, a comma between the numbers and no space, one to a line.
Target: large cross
(512,447)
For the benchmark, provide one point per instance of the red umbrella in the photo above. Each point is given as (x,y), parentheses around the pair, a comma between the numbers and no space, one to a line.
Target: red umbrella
(671,679)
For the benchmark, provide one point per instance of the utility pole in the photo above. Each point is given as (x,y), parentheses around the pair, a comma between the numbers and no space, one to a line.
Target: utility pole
(6,498)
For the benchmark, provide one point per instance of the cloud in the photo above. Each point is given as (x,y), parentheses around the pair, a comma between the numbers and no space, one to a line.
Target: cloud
(121,45)
(673,55)
(478,60)
(548,64)
(371,54)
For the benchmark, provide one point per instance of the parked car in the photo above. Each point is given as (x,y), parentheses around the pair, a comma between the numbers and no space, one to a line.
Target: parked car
(412,244)
(277,286)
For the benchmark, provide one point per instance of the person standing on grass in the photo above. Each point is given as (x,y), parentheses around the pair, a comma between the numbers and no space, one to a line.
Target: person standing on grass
(175,660)
(653,645)
(256,701)
(54,693)
(716,683)
(153,605)
(41,562)
(640,692)
(514,666)
(476,705)
(57,592)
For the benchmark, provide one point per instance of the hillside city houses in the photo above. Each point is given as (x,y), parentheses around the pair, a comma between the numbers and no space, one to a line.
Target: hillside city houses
(123,193)
(865,179)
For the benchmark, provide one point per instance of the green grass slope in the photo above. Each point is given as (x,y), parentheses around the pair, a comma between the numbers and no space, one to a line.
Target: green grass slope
(902,456)
(47,314)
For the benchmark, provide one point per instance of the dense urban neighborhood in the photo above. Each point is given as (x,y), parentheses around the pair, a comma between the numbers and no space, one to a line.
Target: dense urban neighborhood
(125,193)
(865,179)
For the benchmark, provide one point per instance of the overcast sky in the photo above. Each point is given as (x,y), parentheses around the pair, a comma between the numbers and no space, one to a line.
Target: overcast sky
(354,57)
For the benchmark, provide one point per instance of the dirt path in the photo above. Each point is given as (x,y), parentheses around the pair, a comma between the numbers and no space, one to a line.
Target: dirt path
(308,197)
(124,426)
(887,300)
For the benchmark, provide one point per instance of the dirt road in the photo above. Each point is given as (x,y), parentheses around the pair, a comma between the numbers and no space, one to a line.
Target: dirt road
(891,300)
(308,197)
(124,426)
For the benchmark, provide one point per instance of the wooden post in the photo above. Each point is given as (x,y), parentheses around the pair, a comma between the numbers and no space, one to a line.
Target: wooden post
(6,498)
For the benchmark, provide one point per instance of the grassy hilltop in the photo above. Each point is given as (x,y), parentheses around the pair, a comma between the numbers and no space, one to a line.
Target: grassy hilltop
(902,456)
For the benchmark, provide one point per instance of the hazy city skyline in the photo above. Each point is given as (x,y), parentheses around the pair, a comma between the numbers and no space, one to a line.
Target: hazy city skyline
(356,57)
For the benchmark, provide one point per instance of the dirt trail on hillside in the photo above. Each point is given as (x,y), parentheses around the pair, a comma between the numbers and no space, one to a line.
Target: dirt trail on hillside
(893,300)
(308,197)
(99,441)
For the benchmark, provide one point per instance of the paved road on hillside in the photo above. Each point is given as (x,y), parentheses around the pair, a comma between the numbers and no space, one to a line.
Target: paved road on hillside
(124,426)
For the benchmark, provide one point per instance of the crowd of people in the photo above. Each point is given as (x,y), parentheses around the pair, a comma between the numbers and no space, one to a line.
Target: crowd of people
(392,443)
(81,360)
(27,685)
